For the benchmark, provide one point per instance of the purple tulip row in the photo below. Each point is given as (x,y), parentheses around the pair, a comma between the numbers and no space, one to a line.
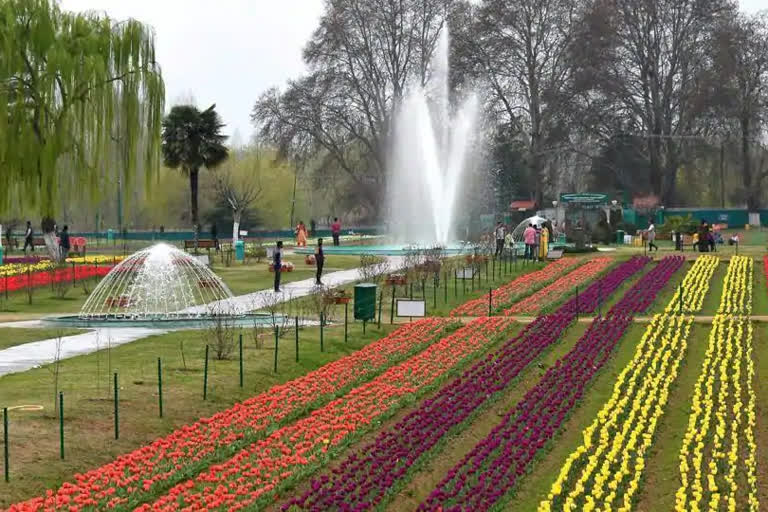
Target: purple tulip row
(492,468)
(362,480)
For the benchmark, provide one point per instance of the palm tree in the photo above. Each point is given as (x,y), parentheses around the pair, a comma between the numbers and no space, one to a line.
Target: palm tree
(192,139)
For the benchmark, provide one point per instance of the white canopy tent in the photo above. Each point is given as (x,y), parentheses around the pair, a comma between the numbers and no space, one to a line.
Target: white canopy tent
(517,233)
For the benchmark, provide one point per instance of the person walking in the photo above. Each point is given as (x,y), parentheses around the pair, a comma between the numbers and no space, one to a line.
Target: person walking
(499,239)
(64,245)
(301,234)
(536,242)
(529,237)
(703,237)
(319,261)
(277,263)
(336,231)
(28,240)
(651,235)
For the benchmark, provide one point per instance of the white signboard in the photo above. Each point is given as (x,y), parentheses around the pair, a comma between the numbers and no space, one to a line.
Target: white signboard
(408,307)
(465,273)
(243,233)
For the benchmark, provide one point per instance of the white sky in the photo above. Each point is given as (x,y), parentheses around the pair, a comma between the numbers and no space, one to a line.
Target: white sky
(230,51)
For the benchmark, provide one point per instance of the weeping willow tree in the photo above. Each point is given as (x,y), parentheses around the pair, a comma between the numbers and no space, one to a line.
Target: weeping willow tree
(66,81)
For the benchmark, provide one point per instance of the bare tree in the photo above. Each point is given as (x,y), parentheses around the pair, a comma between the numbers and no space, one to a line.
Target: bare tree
(639,70)
(239,191)
(361,57)
(520,52)
(739,92)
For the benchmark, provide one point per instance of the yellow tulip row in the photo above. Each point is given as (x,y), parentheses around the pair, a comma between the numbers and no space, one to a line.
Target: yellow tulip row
(15,269)
(718,457)
(604,472)
(92,260)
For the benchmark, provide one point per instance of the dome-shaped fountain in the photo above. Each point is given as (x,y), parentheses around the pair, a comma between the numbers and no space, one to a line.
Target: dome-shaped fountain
(159,283)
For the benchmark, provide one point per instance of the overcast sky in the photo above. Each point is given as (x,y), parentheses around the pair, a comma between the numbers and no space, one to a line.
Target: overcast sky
(229,51)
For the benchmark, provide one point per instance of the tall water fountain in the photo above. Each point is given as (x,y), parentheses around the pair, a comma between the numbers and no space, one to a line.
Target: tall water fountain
(159,283)
(430,154)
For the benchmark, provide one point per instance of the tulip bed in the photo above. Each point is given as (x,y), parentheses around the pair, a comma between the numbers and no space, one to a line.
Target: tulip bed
(605,471)
(17,269)
(156,467)
(555,291)
(38,279)
(510,292)
(493,467)
(718,457)
(364,478)
(253,474)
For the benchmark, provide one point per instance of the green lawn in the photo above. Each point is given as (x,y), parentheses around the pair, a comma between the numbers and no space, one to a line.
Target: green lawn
(439,300)
(85,382)
(12,336)
(247,278)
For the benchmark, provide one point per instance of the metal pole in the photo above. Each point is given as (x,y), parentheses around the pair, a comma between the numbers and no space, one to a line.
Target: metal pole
(277,336)
(297,338)
(346,320)
(205,375)
(6,449)
(322,321)
(61,425)
(160,387)
(242,376)
(455,284)
(490,301)
(392,309)
(117,413)
(381,300)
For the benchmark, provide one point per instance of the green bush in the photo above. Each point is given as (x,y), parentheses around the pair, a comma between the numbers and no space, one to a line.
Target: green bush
(677,223)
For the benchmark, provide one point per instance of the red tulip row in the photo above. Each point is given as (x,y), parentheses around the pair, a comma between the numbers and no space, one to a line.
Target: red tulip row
(45,278)
(508,293)
(555,291)
(152,469)
(249,478)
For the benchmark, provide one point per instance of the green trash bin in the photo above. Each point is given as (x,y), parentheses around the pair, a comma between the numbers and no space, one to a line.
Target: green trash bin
(365,301)
(619,236)
(1,254)
(240,250)
(110,235)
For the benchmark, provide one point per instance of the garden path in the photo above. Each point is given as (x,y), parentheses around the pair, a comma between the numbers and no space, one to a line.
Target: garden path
(31,355)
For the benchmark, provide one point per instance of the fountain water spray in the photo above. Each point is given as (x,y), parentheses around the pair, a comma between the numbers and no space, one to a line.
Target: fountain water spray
(429,157)
(159,283)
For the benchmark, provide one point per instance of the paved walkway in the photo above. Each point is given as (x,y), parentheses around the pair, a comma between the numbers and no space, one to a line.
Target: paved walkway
(30,355)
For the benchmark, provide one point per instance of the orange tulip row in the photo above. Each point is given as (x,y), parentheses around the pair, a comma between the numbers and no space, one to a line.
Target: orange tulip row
(253,474)
(555,291)
(510,292)
(152,469)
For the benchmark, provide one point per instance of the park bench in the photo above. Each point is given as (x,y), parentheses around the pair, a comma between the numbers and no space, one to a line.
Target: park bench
(201,244)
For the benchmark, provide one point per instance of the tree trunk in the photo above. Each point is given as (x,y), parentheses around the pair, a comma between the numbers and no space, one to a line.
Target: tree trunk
(53,247)
(235,226)
(193,180)
(752,192)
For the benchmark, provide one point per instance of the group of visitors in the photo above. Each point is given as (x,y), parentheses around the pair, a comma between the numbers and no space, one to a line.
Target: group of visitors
(277,262)
(302,235)
(301,241)
(64,243)
(705,239)
(536,238)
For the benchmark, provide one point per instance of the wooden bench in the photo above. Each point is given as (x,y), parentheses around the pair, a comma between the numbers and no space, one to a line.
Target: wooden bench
(207,244)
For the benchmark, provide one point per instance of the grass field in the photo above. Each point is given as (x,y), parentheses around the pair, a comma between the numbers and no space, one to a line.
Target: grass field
(86,384)
(12,336)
